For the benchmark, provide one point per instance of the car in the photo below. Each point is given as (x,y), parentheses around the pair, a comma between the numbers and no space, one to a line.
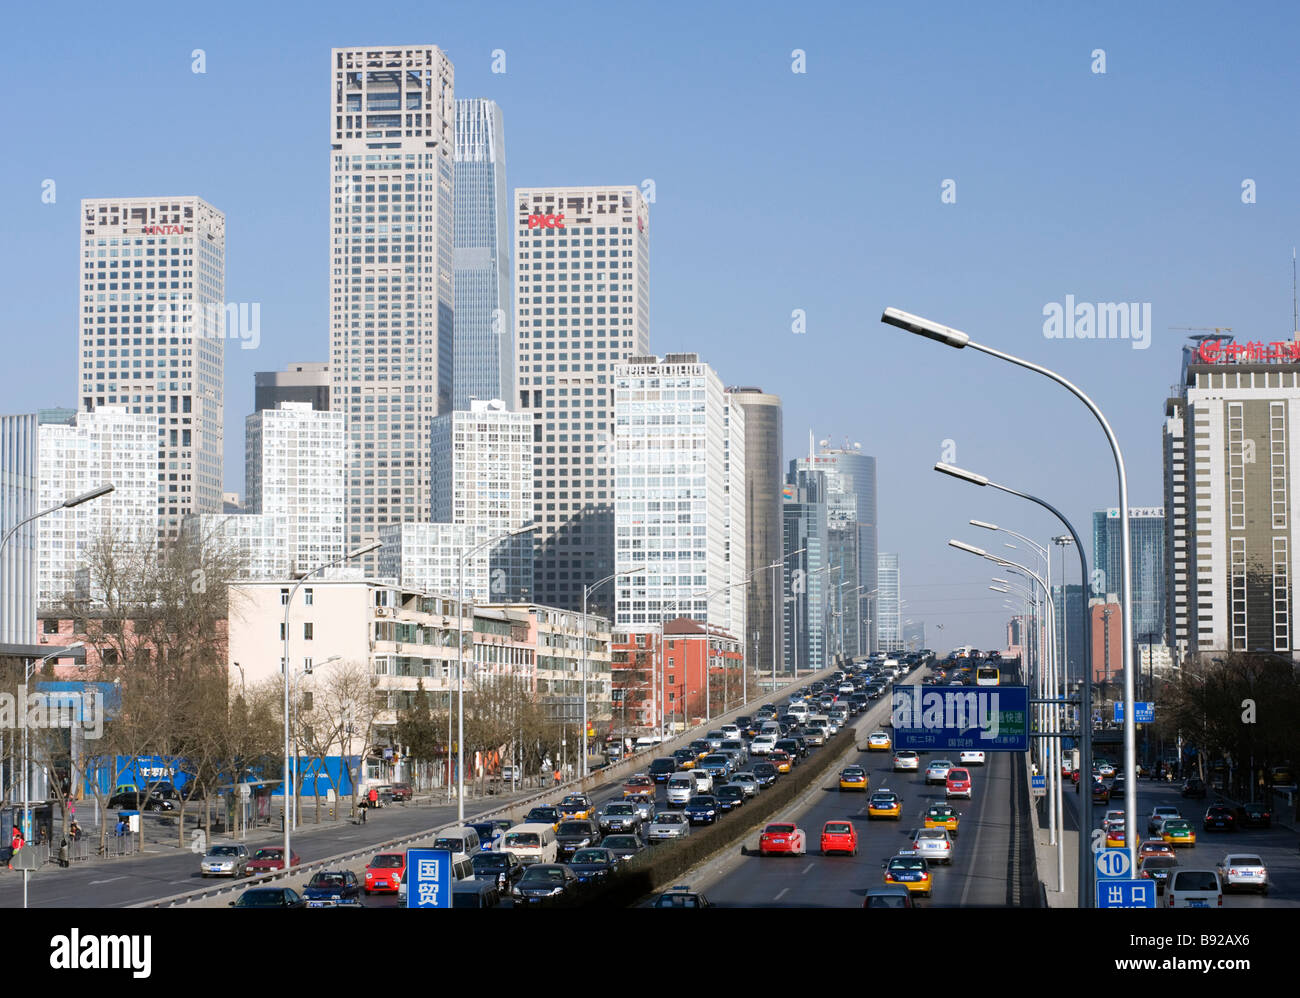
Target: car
(715,740)
(1254,815)
(1220,817)
(1194,787)
(854,778)
(1100,792)
(463,840)
(1156,868)
(934,844)
(490,833)
(937,771)
(905,760)
(971,757)
(269,897)
(402,792)
(703,781)
(624,847)
(1193,888)
(747,782)
(132,799)
(958,783)
(685,759)
(1104,767)
(571,836)
(593,865)
(639,784)
(839,836)
(662,768)
(620,816)
(884,803)
(702,809)
(1245,870)
(730,796)
(1158,816)
(781,761)
(384,872)
(546,884)
(879,741)
(644,804)
(668,825)
(700,747)
(1117,788)
(224,859)
(763,744)
(1178,833)
(576,807)
(328,887)
(1111,818)
(814,735)
(942,815)
(716,765)
(765,773)
(543,815)
(888,896)
(680,897)
(1115,835)
(1155,847)
(910,872)
(792,746)
(270,858)
(782,838)
(503,867)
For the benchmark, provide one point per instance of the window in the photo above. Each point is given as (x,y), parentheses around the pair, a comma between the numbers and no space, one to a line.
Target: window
(50,626)
(306,597)
(284,599)
(306,666)
(306,631)
(282,638)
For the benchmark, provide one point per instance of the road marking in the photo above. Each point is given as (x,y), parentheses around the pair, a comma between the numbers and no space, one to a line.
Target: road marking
(781,895)
(110,880)
(806,869)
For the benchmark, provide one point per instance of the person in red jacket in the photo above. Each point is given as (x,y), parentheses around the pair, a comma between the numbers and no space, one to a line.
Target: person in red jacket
(373,797)
(17,843)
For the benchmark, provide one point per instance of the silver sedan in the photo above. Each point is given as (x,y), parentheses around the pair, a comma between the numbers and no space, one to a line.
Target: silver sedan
(668,825)
(935,844)
(1245,870)
(747,782)
(937,771)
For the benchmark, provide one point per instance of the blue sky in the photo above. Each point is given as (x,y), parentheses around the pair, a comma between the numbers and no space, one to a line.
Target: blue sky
(774,191)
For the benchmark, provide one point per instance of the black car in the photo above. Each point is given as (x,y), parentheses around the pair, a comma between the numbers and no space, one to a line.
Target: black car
(1255,815)
(1194,787)
(593,865)
(730,796)
(571,836)
(328,887)
(684,756)
(1158,868)
(545,885)
(702,809)
(503,867)
(765,773)
(663,768)
(1220,816)
(136,800)
(624,847)
(269,897)
(793,747)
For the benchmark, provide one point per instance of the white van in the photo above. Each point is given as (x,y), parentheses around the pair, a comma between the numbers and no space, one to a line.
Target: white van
(821,719)
(681,788)
(459,840)
(532,842)
(799,711)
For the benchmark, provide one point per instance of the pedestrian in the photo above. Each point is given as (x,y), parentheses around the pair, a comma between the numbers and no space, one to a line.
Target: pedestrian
(121,827)
(558,778)
(15,844)
(74,830)
(373,797)
(364,809)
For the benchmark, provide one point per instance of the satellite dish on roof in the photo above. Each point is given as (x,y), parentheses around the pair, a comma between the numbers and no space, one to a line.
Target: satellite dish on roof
(823,443)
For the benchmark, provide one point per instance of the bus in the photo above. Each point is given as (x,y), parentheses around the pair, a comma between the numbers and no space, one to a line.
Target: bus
(987,675)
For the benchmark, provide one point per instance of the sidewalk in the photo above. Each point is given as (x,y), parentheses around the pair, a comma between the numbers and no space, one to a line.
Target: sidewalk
(1046,854)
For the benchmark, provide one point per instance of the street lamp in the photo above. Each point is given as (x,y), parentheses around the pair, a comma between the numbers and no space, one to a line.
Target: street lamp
(957,339)
(585,591)
(460,664)
(289,815)
(774,566)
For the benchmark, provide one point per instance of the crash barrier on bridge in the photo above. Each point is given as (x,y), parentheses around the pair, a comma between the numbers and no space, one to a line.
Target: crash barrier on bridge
(658,867)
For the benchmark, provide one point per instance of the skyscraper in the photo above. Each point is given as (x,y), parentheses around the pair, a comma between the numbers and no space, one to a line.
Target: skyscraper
(804,528)
(582,288)
(152,335)
(391,259)
(890,611)
(763,481)
(19,493)
(484,362)
(307,381)
(679,470)
(1147,536)
(1231,450)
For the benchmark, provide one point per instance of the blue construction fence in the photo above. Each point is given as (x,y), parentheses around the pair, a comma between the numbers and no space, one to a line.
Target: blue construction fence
(315,776)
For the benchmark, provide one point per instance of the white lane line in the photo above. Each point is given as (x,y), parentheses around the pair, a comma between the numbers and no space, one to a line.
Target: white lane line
(806,869)
(782,894)
(109,880)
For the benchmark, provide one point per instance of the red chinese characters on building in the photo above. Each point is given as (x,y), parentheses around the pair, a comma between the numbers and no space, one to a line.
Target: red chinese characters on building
(1221,352)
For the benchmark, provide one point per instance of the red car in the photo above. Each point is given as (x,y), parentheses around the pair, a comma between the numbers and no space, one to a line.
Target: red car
(402,792)
(782,838)
(839,836)
(271,858)
(958,784)
(384,873)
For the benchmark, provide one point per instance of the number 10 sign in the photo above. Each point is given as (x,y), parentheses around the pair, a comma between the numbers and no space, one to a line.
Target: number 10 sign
(1113,864)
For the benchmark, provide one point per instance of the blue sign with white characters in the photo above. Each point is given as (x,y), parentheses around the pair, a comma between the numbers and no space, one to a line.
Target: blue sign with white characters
(428,878)
(951,718)
(1126,893)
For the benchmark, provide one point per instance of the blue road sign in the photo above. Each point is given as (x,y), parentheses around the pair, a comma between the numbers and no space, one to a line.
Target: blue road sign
(428,878)
(948,718)
(1126,893)
(1143,712)
(1113,864)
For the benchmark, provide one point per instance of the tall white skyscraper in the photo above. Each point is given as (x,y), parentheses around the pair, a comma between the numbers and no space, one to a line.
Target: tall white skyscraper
(19,494)
(152,335)
(582,292)
(890,624)
(96,448)
(391,138)
(680,495)
(484,366)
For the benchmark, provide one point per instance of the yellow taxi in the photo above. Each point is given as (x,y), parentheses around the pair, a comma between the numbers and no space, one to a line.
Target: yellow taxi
(781,760)
(879,741)
(854,778)
(913,872)
(1115,836)
(1179,833)
(942,816)
(885,804)
(576,807)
